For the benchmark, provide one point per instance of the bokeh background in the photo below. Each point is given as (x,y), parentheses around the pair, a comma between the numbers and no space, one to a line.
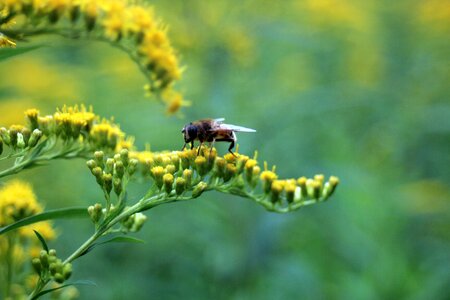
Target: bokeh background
(357,89)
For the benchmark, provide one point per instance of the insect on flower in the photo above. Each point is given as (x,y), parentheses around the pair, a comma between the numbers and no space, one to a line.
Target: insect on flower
(211,130)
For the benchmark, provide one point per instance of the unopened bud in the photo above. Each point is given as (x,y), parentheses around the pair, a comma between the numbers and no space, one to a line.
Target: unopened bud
(170,169)
(230,172)
(37,266)
(91,164)
(132,166)
(59,278)
(119,169)
(158,173)
(199,189)
(20,141)
(201,165)
(117,184)
(4,135)
(99,157)
(187,175)
(168,182)
(330,186)
(109,165)
(26,134)
(43,256)
(35,137)
(124,157)
(276,189)
(67,271)
(107,179)
(180,185)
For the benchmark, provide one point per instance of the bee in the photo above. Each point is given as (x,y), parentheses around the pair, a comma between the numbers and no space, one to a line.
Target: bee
(211,130)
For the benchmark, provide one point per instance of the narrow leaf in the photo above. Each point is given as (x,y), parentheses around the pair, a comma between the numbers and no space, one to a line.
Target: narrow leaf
(6,53)
(117,239)
(122,239)
(78,282)
(42,240)
(63,213)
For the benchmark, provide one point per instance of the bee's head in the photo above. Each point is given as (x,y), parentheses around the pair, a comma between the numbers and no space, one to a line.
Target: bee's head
(190,132)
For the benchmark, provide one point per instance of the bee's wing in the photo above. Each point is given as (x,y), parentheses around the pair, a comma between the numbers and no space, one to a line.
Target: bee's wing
(219,120)
(236,128)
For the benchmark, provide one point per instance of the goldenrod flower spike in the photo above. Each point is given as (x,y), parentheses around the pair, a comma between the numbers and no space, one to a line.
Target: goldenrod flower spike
(129,26)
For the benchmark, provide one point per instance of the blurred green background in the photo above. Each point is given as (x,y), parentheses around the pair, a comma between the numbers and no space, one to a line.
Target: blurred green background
(357,89)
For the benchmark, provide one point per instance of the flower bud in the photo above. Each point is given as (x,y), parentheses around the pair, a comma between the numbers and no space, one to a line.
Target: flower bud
(276,189)
(139,220)
(32,116)
(95,212)
(107,179)
(158,173)
(170,169)
(184,157)
(180,185)
(302,184)
(230,172)
(59,278)
(289,188)
(199,189)
(313,188)
(98,173)
(53,268)
(52,252)
(330,186)
(4,135)
(43,256)
(119,169)
(201,165)
(187,175)
(67,271)
(109,165)
(99,157)
(20,141)
(175,160)
(37,266)
(117,184)
(26,133)
(132,166)
(35,137)
(267,178)
(220,165)
(249,165)
(168,182)
(124,157)
(91,164)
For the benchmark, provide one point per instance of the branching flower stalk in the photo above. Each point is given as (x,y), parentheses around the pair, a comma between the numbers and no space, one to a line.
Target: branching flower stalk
(130,27)
(71,132)
(172,176)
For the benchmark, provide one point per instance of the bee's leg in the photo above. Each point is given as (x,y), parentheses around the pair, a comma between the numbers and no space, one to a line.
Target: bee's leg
(199,147)
(184,146)
(212,145)
(231,147)
(192,145)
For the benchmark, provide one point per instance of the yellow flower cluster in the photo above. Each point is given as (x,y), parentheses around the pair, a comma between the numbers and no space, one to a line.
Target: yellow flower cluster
(183,170)
(17,201)
(130,26)
(70,124)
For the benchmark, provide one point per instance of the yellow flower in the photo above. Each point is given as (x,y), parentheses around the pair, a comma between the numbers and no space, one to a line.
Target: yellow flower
(6,42)
(17,201)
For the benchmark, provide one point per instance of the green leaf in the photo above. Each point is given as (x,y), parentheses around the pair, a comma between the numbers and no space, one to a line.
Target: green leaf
(117,239)
(42,240)
(6,53)
(63,213)
(78,282)
(122,239)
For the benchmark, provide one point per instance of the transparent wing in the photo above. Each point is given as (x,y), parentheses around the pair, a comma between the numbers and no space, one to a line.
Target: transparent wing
(219,120)
(236,128)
